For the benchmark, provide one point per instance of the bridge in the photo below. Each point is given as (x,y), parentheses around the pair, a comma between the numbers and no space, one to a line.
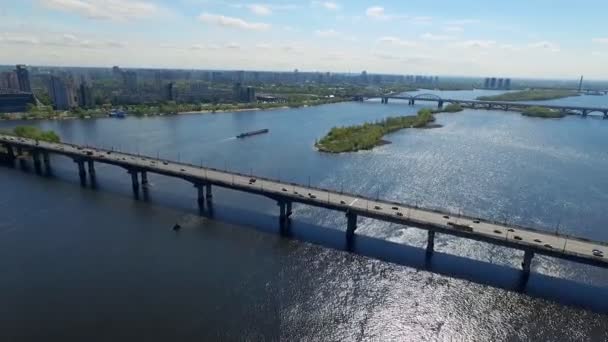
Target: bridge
(491,105)
(530,241)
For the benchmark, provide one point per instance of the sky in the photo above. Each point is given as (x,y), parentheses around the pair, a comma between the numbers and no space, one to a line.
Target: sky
(515,38)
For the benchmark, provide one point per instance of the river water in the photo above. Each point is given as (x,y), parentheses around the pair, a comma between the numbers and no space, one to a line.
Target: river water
(96,265)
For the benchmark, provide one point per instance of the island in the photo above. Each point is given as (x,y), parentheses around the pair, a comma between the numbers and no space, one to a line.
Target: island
(531,95)
(369,135)
(540,112)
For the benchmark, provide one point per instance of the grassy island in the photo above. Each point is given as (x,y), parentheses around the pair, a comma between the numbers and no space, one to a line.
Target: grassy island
(540,112)
(369,135)
(451,108)
(30,132)
(530,95)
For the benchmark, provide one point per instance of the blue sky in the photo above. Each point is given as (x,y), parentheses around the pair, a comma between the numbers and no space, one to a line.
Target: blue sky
(517,38)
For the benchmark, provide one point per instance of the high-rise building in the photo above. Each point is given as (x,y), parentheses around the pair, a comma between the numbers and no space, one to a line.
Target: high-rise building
(486,84)
(129,79)
(170,92)
(508,84)
(85,96)
(493,83)
(500,83)
(9,80)
(250,94)
(364,78)
(23,77)
(58,92)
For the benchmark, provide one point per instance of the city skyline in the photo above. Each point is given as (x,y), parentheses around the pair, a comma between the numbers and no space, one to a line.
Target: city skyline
(472,38)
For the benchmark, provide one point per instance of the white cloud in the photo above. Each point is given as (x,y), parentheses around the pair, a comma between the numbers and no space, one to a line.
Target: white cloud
(397,41)
(263,46)
(224,21)
(197,47)
(331,33)
(376,12)
(483,44)
(462,22)
(600,40)
(120,10)
(509,47)
(436,37)
(421,20)
(327,33)
(453,28)
(328,5)
(260,9)
(20,39)
(545,45)
(233,45)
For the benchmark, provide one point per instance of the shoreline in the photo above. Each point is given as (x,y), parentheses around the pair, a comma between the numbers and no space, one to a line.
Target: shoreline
(10,116)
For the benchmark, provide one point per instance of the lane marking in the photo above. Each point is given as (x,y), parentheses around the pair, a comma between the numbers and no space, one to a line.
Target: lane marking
(353,202)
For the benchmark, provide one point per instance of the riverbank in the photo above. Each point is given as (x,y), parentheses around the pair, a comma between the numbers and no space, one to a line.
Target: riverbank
(530,95)
(137,111)
(369,135)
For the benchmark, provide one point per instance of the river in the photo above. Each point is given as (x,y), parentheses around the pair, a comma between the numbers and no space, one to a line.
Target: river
(96,265)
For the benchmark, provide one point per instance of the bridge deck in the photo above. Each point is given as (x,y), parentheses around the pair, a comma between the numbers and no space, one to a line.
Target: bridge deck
(561,246)
(522,104)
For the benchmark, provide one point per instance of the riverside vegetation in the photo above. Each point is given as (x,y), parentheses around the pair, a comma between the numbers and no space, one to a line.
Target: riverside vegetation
(540,112)
(369,135)
(530,95)
(34,133)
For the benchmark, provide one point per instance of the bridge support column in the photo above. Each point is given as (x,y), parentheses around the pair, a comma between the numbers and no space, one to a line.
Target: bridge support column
(606,115)
(282,217)
(351,225)
(289,210)
(585,113)
(525,265)
(208,192)
(413,102)
(37,163)
(200,197)
(22,162)
(144,178)
(440,104)
(82,172)
(46,160)
(134,183)
(430,244)
(92,174)
(10,153)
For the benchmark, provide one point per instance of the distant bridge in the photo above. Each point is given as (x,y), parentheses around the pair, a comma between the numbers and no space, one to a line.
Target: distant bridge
(528,240)
(492,105)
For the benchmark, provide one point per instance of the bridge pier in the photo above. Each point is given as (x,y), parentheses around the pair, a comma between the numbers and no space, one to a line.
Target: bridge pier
(46,160)
(351,225)
(430,243)
(525,265)
(92,173)
(440,104)
(144,179)
(10,153)
(22,162)
(283,218)
(208,193)
(134,183)
(37,163)
(82,172)
(412,102)
(605,114)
